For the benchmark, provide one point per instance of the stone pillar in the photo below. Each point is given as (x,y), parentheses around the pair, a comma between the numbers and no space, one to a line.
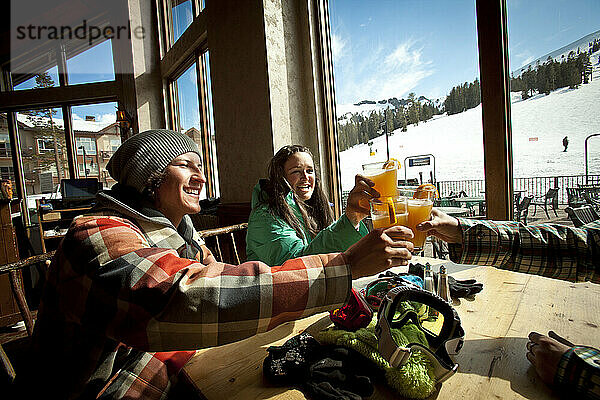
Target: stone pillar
(146,65)
(262,87)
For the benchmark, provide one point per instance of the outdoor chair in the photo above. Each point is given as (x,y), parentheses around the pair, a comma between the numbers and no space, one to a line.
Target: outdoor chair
(575,197)
(550,198)
(221,241)
(582,215)
(594,202)
(523,209)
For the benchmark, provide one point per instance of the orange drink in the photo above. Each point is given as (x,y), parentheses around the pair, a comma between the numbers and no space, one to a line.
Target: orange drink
(419,203)
(419,210)
(385,177)
(385,182)
(389,211)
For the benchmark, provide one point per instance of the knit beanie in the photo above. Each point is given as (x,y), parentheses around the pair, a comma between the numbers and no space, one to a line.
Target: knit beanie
(146,153)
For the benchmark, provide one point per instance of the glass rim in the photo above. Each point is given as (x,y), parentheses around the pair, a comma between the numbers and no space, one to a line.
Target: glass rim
(396,199)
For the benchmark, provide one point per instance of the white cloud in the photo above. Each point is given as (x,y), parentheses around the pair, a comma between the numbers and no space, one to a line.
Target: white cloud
(337,46)
(384,73)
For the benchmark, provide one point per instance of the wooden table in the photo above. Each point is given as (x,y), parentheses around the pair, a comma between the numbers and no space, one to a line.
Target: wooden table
(492,363)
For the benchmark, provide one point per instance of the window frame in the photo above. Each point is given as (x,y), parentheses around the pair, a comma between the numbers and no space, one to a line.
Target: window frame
(165,18)
(177,58)
(44,149)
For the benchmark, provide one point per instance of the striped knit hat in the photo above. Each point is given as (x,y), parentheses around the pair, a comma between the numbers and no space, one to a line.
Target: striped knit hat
(145,153)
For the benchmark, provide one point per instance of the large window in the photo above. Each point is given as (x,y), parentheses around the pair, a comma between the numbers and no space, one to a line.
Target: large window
(555,98)
(96,139)
(43,151)
(187,117)
(407,87)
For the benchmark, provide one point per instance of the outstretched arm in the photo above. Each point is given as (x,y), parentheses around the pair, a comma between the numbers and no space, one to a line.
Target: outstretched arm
(551,250)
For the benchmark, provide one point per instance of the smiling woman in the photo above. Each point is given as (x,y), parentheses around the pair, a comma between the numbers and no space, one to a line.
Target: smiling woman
(179,192)
(133,290)
(291,216)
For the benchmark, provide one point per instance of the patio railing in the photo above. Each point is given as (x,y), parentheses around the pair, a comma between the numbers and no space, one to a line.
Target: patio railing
(535,186)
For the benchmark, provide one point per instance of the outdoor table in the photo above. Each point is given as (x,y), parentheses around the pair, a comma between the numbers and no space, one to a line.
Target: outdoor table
(454,211)
(492,363)
(472,200)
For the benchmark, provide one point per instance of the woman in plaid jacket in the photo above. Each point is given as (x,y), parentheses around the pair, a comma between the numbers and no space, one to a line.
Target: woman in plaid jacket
(132,291)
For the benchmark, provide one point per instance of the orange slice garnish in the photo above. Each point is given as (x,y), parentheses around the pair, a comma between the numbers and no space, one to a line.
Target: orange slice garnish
(392,163)
(391,210)
(425,191)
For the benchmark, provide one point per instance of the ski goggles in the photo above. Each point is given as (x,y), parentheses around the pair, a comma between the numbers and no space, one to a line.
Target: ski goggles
(376,290)
(435,317)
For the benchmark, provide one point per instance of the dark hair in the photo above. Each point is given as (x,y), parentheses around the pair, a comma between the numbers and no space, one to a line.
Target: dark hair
(152,184)
(315,211)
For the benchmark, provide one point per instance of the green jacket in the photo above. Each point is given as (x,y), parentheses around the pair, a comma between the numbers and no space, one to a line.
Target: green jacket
(272,241)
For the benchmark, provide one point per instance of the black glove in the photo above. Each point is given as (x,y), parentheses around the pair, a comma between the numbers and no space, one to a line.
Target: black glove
(464,288)
(289,363)
(343,374)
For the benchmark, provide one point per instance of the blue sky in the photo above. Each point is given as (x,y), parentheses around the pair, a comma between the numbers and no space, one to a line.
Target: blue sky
(390,48)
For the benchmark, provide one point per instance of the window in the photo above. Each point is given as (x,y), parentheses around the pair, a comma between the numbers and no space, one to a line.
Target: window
(182,15)
(48,79)
(211,122)
(188,111)
(98,118)
(93,65)
(87,144)
(554,54)
(5,150)
(6,172)
(45,144)
(43,150)
(114,144)
(414,96)
(89,169)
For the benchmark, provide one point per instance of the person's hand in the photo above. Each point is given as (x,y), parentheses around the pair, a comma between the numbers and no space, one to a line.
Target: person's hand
(544,353)
(357,207)
(442,226)
(381,249)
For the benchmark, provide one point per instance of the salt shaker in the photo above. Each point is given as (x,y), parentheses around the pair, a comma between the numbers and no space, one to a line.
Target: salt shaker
(428,279)
(443,288)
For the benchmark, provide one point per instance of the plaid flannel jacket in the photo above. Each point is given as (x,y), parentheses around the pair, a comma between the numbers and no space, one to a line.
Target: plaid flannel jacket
(128,299)
(550,250)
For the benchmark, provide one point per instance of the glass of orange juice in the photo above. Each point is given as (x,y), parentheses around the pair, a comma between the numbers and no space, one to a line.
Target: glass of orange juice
(389,211)
(419,202)
(385,177)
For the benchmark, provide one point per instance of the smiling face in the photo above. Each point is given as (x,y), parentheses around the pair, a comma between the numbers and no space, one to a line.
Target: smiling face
(299,171)
(179,193)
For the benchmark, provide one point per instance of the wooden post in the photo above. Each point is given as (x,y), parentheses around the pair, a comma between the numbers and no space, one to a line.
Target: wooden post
(495,98)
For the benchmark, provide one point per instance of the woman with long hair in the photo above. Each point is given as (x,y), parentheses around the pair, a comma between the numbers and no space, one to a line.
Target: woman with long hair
(291,215)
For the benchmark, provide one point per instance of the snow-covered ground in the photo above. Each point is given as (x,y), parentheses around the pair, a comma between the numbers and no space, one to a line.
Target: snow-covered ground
(456,141)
